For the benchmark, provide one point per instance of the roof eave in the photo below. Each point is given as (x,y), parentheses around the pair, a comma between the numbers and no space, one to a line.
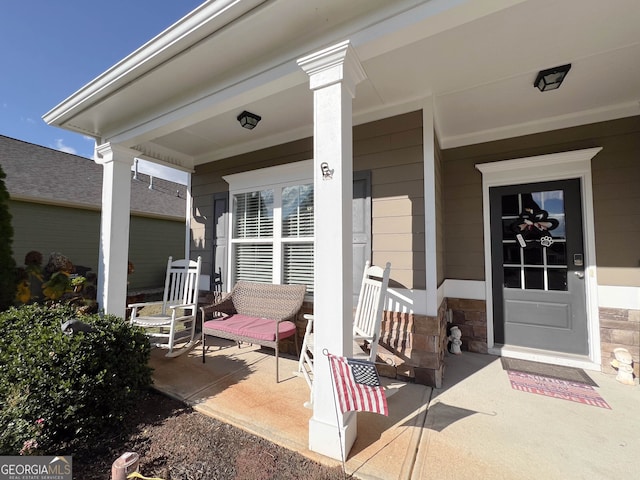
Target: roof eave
(196,25)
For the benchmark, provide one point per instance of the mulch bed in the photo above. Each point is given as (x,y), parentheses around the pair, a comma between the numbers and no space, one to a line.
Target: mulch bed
(176,443)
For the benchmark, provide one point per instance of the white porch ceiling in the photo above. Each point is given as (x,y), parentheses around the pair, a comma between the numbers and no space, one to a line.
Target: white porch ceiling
(477,60)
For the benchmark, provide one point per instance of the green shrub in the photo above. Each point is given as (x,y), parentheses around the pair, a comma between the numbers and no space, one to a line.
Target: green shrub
(7,263)
(57,391)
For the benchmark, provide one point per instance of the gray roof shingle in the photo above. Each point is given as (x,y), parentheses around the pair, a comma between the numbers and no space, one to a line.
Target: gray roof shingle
(43,175)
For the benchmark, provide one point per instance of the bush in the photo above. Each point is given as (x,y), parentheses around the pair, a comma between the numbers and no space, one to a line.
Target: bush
(7,263)
(57,391)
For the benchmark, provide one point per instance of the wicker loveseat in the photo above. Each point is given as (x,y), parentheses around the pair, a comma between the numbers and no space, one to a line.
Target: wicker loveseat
(257,313)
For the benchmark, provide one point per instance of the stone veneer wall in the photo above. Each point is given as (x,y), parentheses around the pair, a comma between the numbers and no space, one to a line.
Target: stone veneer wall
(471,317)
(619,328)
(412,346)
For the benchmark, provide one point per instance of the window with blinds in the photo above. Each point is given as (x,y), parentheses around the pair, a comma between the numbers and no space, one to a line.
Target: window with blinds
(253,214)
(297,235)
(273,235)
(253,262)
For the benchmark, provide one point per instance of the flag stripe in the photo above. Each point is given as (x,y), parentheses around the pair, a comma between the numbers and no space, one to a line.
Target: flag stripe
(365,395)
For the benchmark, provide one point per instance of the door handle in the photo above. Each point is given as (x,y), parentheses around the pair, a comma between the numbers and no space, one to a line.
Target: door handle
(579,274)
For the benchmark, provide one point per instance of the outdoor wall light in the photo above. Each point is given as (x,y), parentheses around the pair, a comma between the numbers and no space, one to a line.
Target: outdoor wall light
(249,120)
(551,78)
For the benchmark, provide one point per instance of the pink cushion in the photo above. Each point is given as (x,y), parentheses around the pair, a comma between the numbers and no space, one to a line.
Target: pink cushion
(252,327)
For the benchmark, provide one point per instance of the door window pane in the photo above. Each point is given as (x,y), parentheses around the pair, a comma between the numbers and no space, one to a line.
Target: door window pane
(529,222)
(507,232)
(533,255)
(557,254)
(510,205)
(511,253)
(534,279)
(557,279)
(512,277)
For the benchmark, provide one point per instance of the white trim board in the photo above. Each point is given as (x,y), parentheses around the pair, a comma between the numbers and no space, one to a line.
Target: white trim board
(610,296)
(542,168)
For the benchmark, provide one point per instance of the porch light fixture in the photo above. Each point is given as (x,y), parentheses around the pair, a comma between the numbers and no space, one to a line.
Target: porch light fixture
(249,120)
(551,78)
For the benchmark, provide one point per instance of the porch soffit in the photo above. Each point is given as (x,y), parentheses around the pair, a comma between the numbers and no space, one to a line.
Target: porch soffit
(478,63)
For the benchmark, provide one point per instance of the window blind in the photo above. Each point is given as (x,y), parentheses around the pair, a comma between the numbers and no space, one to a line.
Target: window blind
(254,262)
(297,259)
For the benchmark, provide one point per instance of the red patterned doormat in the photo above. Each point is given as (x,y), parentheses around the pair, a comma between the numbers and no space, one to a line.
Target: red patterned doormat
(552,387)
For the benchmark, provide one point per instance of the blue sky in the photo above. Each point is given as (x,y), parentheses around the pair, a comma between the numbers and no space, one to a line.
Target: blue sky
(51,48)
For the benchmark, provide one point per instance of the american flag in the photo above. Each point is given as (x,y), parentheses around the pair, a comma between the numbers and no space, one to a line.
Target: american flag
(357,385)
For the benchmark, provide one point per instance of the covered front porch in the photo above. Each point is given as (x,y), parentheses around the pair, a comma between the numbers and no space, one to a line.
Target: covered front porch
(413,97)
(475,426)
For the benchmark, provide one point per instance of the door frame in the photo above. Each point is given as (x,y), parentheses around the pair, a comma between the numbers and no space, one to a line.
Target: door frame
(543,168)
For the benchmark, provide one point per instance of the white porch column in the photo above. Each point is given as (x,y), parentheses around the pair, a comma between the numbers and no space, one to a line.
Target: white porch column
(114,228)
(430,214)
(334,74)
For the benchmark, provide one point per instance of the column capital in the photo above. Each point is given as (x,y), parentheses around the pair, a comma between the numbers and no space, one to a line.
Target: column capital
(337,63)
(110,152)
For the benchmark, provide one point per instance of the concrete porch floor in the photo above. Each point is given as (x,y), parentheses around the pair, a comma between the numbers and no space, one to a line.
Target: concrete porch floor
(475,427)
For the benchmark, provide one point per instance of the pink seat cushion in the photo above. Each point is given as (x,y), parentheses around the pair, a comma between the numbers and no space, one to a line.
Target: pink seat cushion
(252,327)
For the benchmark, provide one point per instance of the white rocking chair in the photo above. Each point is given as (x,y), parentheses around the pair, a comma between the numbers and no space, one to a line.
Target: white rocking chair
(178,308)
(366,324)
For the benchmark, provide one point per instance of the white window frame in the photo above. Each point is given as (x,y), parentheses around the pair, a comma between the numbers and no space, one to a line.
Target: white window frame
(274,178)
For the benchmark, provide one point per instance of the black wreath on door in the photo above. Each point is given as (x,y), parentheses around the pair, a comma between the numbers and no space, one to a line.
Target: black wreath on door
(533,223)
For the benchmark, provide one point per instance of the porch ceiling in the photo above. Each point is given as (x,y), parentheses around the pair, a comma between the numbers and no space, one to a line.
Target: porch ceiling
(177,97)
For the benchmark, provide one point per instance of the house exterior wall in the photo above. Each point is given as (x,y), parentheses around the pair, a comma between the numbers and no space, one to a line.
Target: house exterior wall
(151,242)
(72,232)
(391,149)
(616,198)
(615,173)
(75,233)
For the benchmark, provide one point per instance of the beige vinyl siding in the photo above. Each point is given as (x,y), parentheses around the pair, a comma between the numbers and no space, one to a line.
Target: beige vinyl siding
(75,233)
(462,218)
(72,232)
(616,196)
(616,191)
(391,149)
(151,242)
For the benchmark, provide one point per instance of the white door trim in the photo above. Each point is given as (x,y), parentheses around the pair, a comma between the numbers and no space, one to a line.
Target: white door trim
(542,168)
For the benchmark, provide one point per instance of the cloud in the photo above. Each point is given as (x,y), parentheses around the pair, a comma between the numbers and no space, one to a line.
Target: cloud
(64,148)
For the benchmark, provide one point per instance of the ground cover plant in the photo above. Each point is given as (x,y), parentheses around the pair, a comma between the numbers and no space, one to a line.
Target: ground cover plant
(58,390)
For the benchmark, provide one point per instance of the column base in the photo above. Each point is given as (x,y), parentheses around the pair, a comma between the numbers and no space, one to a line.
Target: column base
(334,441)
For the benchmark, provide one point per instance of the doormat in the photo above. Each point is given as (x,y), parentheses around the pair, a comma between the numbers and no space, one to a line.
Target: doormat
(552,387)
(569,374)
